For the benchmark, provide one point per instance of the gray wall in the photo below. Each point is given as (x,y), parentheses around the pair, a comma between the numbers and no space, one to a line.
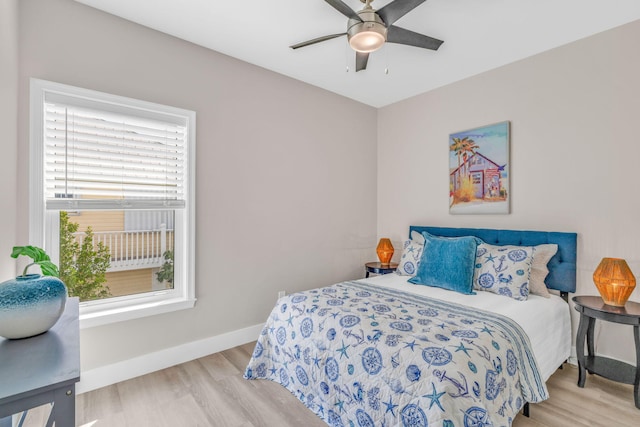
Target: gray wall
(574,154)
(8,124)
(286,172)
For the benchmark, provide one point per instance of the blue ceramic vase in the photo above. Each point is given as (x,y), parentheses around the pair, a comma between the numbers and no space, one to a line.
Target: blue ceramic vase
(30,305)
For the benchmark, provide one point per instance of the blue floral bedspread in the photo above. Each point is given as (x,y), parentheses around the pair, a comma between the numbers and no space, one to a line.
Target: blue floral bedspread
(362,355)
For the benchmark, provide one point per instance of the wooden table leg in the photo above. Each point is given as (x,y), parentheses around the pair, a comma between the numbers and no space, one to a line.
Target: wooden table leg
(64,407)
(580,336)
(590,342)
(636,384)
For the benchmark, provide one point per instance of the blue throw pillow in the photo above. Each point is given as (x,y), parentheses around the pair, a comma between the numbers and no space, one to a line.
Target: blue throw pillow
(447,262)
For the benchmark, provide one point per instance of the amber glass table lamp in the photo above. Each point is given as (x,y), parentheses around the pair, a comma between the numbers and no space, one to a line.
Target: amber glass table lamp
(614,281)
(384,251)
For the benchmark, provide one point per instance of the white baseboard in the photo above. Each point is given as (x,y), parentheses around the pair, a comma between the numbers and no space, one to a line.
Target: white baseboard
(573,359)
(131,368)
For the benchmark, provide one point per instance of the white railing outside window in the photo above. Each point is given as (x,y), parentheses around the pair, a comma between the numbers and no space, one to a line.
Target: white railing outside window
(133,250)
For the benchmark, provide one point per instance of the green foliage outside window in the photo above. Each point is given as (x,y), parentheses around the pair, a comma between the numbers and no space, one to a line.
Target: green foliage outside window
(166,271)
(82,267)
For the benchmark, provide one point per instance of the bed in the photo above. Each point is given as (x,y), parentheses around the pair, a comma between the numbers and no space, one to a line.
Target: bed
(383,351)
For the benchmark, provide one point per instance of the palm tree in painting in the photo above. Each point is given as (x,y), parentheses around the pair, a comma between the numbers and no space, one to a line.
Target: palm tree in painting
(457,145)
(468,149)
(463,147)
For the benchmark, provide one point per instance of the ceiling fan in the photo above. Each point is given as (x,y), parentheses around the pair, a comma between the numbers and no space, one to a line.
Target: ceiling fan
(368,29)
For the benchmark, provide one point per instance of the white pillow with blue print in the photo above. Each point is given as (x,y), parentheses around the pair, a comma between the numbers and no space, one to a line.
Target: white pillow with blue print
(503,270)
(411,255)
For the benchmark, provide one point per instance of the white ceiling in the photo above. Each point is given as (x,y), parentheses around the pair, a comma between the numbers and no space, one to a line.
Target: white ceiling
(478,35)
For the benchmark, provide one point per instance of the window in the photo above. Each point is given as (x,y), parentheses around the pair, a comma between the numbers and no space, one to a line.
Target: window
(112,199)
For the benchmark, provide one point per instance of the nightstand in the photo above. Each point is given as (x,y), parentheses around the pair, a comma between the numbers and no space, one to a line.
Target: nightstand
(380,268)
(590,309)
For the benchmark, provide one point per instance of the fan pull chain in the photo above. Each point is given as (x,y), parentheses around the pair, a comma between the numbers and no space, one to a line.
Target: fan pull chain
(347,51)
(386,59)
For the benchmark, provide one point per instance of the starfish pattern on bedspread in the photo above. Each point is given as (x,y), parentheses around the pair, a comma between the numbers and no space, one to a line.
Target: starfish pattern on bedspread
(363,355)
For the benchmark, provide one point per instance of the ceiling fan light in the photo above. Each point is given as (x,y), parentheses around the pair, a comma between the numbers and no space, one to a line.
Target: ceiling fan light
(366,41)
(369,33)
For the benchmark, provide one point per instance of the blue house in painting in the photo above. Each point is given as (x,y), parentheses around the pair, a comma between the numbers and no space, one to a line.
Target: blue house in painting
(485,175)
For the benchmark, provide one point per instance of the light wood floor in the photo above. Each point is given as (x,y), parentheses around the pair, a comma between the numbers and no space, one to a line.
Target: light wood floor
(211,392)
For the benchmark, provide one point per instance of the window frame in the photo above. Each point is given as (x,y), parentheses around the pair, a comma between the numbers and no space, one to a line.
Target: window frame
(43,224)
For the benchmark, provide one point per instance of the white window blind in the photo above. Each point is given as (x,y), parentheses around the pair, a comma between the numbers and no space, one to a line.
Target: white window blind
(96,151)
(101,159)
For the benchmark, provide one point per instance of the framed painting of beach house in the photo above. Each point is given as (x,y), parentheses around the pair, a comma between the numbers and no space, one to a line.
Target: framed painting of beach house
(479,170)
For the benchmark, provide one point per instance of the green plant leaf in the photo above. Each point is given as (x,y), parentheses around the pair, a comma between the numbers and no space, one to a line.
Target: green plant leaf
(33,252)
(38,256)
(48,268)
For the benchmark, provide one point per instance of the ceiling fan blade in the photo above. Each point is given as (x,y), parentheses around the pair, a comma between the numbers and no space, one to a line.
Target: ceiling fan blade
(397,9)
(344,9)
(401,36)
(361,61)
(316,40)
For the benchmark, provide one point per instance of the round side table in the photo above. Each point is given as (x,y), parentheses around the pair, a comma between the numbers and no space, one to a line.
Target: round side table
(380,268)
(592,308)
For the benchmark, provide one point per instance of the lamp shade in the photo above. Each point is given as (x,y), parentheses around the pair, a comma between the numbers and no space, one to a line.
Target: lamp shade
(614,281)
(384,250)
(367,41)
(368,33)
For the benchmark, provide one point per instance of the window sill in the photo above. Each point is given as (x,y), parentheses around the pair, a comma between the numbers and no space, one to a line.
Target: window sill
(91,317)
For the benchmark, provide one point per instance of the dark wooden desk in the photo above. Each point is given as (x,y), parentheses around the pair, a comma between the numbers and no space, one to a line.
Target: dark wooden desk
(43,369)
(590,309)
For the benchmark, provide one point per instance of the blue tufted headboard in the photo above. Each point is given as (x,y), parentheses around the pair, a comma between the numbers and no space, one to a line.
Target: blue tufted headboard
(562,267)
